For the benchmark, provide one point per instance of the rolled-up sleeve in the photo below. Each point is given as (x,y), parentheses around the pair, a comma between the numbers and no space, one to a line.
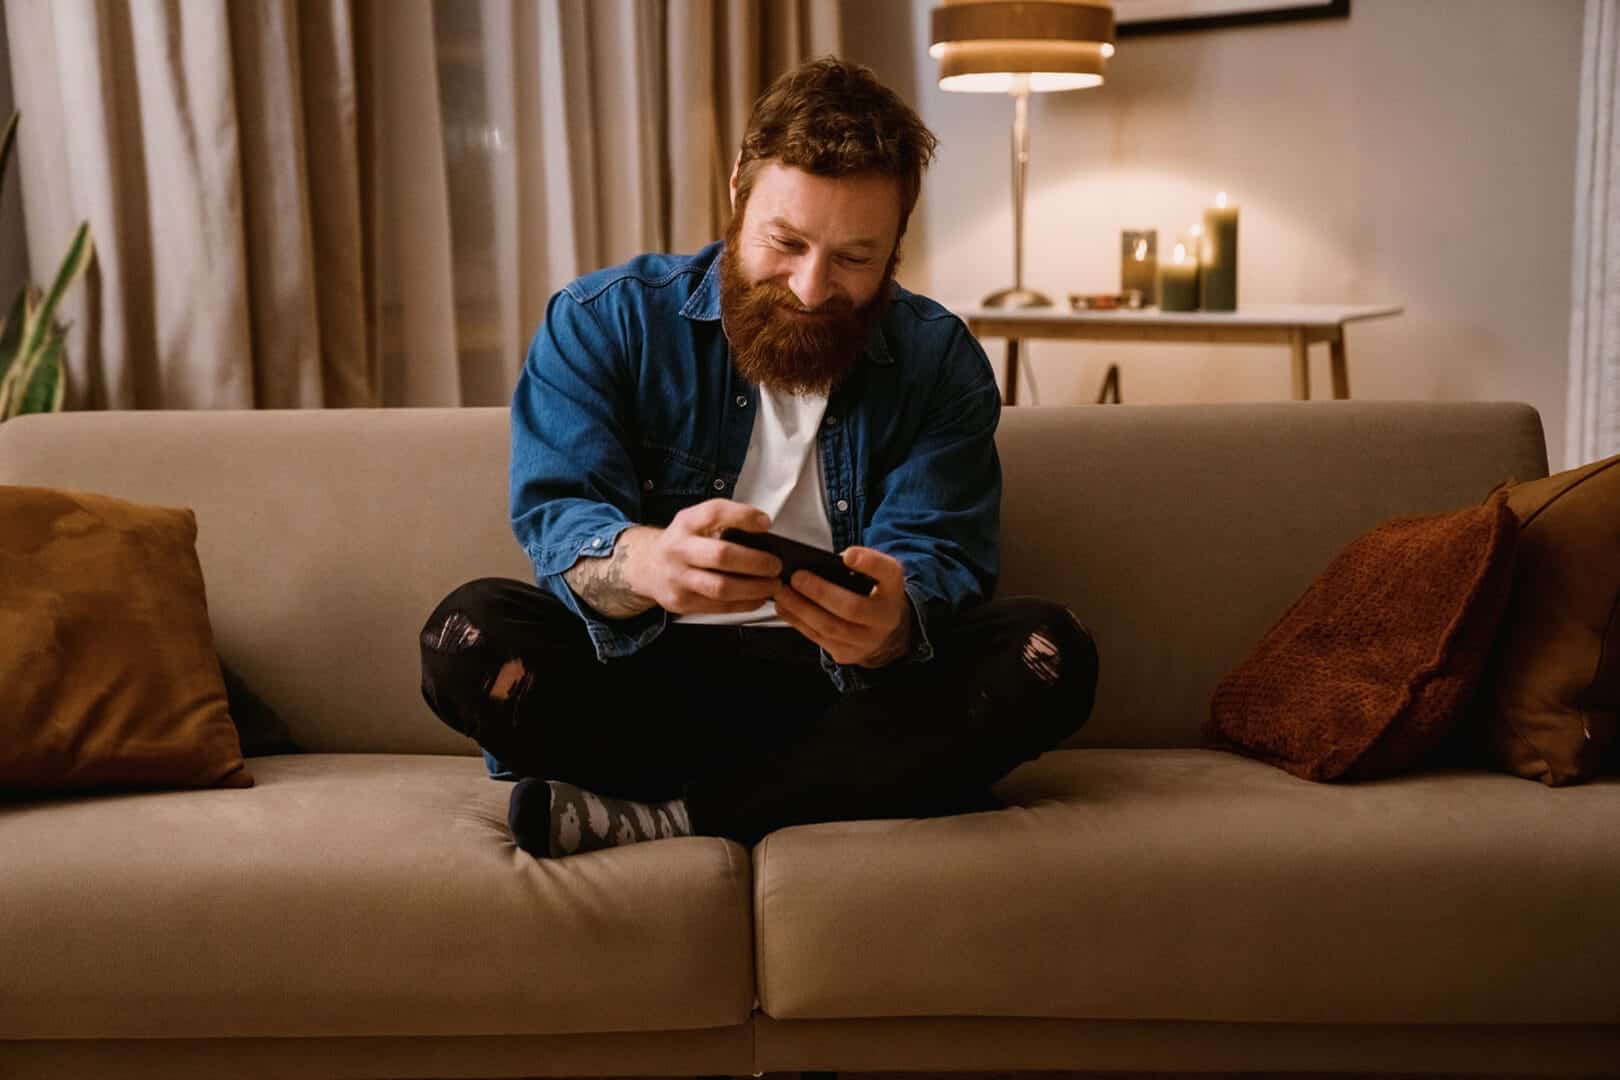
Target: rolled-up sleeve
(573,485)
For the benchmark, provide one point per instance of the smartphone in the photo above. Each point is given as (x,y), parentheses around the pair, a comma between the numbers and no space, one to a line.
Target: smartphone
(797,556)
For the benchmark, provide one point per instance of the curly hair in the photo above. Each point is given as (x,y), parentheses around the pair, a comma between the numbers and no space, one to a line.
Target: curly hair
(832,118)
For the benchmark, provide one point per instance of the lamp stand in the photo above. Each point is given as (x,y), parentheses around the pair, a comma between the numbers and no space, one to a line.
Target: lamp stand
(1018,296)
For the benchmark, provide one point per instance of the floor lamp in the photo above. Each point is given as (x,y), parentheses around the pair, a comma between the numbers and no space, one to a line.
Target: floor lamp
(1018,48)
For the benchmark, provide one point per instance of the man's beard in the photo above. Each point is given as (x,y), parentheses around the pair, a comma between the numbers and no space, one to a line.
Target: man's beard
(772,347)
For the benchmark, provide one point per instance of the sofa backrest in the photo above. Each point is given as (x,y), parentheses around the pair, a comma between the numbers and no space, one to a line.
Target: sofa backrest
(326,539)
(1175,533)
(1178,533)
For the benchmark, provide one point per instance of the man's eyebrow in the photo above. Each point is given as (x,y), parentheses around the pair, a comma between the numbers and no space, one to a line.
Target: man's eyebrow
(870,243)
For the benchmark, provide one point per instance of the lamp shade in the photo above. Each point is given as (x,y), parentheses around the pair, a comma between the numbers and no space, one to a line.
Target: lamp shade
(995,46)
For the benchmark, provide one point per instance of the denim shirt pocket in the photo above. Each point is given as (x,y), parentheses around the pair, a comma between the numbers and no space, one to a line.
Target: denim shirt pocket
(671,480)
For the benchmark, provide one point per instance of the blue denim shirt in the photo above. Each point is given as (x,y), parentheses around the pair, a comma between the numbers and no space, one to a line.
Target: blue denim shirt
(629,410)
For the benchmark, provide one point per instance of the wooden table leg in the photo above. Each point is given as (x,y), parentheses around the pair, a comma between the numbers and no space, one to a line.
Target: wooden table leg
(1110,386)
(1302,367)
(1012,372)
(1340,366)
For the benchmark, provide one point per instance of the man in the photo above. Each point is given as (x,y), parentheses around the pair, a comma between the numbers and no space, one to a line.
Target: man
(661,681)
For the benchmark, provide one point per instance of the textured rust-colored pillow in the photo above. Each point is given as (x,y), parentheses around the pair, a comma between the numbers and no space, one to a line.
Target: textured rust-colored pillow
(1372,668)
(1555,677)
(108,675)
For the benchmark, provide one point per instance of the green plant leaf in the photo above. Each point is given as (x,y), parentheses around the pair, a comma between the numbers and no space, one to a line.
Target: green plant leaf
(10,386)
(78,257)
(13,385)
(43,391)
(22,365)
(5,147)
(32,344)
(11,332)
(7,409)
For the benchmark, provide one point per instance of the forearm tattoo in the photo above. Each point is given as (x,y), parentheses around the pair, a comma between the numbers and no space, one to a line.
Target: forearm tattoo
(600,583)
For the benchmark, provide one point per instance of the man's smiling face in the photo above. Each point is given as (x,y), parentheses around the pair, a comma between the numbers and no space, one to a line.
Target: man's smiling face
(806,272)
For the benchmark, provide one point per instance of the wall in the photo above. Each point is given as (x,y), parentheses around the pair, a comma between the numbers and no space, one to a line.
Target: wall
(1420,153)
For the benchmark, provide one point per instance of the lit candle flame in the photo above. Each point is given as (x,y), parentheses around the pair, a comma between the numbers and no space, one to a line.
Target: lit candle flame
(1196,228)
(1141,250)
(1220,200)
(1181,253)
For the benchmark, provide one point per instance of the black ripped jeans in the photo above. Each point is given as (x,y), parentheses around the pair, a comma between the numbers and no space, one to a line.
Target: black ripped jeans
(743,722)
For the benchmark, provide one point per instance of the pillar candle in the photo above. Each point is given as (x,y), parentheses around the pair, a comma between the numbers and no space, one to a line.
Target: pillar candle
(1218,258)
(1178,280)
(1139,263)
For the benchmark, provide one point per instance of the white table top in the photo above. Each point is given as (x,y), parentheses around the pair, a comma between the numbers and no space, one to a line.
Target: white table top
(1292,315)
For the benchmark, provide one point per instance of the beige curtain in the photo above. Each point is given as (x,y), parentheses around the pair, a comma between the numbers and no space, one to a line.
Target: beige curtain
(1592,428)
(13,240)
(212,147)
(308,203)
(579,134)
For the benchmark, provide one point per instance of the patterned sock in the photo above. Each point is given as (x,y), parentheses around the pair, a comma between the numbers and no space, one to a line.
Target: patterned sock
(550,818)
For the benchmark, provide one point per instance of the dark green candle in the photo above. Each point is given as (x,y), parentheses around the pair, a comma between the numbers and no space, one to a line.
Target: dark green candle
(1178,280)
(1217,262)
(1139,263)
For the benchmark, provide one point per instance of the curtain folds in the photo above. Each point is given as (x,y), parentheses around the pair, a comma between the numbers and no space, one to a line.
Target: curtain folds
(1593,425)
(587,133)
(327,203)
(195,136)
(13,239)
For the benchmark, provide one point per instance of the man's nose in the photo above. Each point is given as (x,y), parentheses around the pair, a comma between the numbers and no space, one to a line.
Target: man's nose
(811,281)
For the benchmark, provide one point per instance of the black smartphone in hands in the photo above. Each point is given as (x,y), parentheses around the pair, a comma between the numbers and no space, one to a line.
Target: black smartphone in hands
(797,556)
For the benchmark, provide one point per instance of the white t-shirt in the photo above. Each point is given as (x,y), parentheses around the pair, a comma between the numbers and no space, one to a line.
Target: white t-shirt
(781,475)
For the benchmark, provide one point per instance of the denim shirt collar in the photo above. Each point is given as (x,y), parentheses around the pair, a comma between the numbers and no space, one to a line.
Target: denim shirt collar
(704,303)
(704,306)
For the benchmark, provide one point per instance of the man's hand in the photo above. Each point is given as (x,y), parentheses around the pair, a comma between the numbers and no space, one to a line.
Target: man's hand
(685,567)
(867,630)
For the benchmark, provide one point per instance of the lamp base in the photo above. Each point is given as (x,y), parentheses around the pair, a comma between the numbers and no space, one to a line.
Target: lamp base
(1016,298)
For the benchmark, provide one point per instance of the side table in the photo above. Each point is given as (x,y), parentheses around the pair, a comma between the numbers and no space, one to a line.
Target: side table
(1299,326)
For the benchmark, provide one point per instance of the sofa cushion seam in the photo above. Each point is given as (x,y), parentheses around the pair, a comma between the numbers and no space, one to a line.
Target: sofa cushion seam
(748,920)
(757,902)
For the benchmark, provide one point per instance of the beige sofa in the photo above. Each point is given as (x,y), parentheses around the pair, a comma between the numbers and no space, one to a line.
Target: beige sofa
(1143,904)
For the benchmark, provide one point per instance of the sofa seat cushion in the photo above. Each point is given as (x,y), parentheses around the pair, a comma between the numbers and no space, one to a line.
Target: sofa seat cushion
(1200,885)
(355,894)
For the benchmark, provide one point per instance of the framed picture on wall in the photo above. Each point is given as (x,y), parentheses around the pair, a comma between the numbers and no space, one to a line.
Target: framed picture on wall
(1136,17)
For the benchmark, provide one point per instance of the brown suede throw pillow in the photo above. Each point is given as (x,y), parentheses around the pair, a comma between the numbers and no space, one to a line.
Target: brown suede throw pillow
(108,677)
(1373,666)
(1555,676)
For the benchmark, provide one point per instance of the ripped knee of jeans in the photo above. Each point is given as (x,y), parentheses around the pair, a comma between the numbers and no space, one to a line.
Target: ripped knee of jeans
(511,681)
(1042,657)
(455,633)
